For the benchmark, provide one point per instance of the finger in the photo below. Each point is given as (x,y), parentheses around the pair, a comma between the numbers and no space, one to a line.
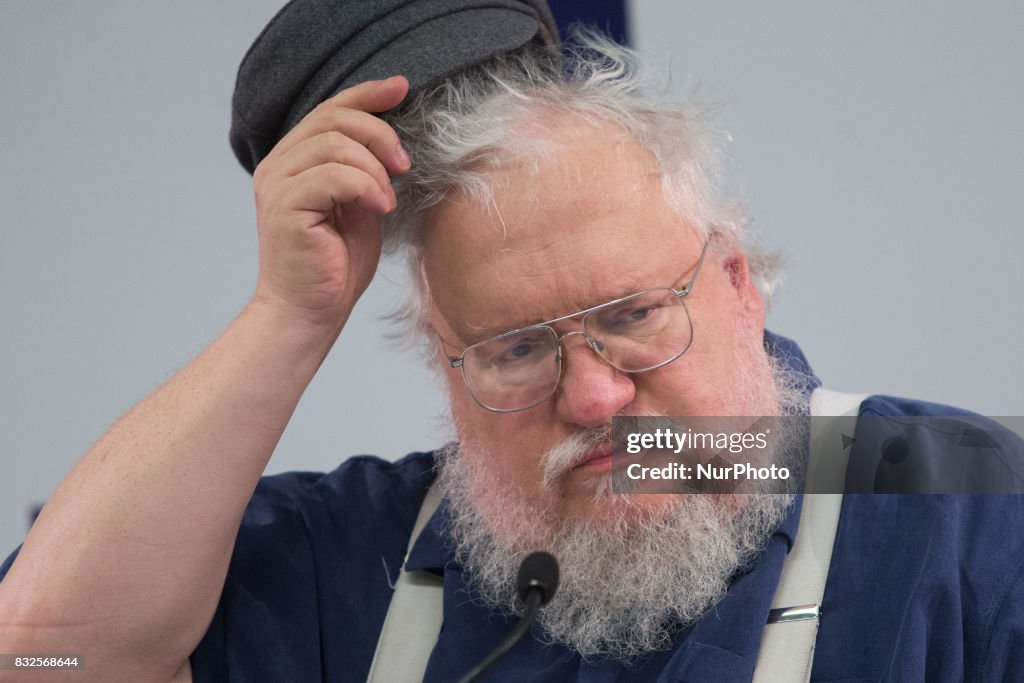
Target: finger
(323,187)
(333,147)
(366,129)
(372,96)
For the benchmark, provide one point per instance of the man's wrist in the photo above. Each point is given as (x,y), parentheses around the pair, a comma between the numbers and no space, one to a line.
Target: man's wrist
(281,323)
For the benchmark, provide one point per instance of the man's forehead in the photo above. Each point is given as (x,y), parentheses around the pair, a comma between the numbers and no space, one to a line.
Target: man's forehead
(585,226)
(536,195)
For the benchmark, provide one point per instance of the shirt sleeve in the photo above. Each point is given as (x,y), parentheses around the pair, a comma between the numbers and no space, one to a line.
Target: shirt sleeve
(265,625)
(6,566)
(311,573)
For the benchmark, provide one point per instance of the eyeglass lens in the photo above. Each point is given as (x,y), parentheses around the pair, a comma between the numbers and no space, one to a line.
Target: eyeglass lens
(521,369)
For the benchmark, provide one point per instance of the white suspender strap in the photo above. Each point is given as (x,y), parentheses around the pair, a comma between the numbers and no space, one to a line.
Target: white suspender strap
(414,616)
(787,643)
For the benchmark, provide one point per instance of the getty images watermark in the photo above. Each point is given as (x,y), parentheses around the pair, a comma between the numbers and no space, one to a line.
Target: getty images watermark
(688,440)
(799,453)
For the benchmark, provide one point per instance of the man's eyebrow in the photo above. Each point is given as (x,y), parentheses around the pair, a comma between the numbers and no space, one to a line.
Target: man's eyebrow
(631,286)
(479,333)
(485,331)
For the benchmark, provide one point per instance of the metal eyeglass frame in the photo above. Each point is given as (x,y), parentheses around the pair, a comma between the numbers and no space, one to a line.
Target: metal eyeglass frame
(594,344)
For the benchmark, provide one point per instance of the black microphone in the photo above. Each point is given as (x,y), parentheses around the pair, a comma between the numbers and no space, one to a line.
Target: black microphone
(536,584)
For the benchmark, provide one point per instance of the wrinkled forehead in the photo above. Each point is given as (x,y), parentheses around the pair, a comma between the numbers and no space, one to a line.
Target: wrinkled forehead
(540,193)
(583,223)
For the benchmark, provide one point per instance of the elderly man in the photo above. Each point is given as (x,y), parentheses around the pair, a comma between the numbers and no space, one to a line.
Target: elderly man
(572,262)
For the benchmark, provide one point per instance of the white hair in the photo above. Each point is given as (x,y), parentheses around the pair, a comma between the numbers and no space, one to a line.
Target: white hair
(493,114)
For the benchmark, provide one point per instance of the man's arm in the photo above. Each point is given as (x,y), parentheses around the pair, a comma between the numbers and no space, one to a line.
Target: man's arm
(127,561)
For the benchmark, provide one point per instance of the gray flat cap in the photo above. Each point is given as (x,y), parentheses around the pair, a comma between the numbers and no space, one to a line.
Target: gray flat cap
(313,49)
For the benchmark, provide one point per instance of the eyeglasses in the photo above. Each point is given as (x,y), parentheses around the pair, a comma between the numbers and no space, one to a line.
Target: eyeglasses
(636,333)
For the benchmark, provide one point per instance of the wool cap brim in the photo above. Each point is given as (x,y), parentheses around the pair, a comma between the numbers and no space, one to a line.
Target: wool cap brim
(313,49)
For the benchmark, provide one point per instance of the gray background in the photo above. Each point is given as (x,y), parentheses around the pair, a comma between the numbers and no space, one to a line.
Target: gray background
(879,148)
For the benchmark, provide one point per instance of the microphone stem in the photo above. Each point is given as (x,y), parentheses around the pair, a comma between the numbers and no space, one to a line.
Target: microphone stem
(533,602)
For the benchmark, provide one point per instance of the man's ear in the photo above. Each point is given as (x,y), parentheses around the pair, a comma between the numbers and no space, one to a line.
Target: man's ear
(738,270)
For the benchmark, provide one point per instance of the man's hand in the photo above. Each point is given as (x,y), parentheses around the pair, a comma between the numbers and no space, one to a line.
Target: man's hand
(319,197)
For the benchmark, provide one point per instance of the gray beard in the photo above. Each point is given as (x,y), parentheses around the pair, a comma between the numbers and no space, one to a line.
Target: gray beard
(628,583)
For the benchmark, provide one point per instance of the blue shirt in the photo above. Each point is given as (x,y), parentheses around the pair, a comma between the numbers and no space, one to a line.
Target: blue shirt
(921,587)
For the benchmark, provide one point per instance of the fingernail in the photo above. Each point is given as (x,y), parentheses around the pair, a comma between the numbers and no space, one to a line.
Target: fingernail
(401,157)
(389,203)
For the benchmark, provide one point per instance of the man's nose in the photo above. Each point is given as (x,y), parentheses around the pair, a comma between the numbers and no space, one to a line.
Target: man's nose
(591,391)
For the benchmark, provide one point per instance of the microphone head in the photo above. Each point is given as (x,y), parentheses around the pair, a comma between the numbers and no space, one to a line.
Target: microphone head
(538,572)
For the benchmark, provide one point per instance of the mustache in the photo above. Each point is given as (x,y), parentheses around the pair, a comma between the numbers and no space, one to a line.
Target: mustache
(576,448)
